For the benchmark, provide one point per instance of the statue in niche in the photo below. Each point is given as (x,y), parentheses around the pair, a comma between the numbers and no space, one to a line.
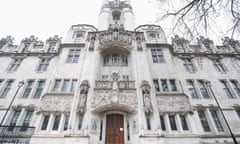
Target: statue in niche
(146,97)
(115,90)
(92,42)
(83,94)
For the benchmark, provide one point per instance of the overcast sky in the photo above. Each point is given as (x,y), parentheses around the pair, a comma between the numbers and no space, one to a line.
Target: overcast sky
(46,18)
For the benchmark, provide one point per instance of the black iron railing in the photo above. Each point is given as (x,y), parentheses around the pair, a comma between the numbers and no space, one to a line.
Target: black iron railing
(16,134)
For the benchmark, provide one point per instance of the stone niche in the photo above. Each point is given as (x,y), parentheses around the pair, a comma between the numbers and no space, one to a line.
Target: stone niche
(175,103)
(60,103)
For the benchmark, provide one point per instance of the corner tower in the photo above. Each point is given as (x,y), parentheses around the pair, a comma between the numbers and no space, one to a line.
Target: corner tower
(116,13)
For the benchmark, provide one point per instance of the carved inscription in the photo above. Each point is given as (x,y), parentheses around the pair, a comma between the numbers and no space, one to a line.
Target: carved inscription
(173,104)
(56,103)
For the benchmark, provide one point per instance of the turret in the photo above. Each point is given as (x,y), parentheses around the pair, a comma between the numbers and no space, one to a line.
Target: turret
(116,13)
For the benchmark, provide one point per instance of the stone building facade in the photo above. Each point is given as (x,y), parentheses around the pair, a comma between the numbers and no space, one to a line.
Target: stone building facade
(119,84)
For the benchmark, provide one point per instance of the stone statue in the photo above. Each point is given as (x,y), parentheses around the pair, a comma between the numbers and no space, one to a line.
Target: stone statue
(83,94)
(146,97)
(115,89)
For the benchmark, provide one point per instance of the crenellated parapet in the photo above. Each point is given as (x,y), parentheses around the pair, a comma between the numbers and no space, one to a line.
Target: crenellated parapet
(30,45)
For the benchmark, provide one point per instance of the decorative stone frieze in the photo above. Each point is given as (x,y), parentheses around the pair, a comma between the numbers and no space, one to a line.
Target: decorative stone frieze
(115,36)
(126,98)
(113,98)
(55,103)
(175,103)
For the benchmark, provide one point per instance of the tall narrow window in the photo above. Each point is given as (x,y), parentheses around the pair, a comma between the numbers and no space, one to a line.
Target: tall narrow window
(13,121)
(216,120)
(101,129)
(57,85)
(39,89)
(156,85)
(164,85)
(173,85)
(115,59)
(235,86)
(203,89)
(45,122)
(80,120)
(128,130)
(191,89)
(125,78)
(28,89)
(172,122)
(162,123)
(204,121)
(73,85)
(43,65)
(6,89)
(26,121)
(51,47)
(1,81)
(105,77)
(238,113)
(219,66)
(148,123)
(226,89)
(14,65)
(184,122)
(65,85)
(56,122)
(157,56)
(66,122)
(188,65)
(73,56)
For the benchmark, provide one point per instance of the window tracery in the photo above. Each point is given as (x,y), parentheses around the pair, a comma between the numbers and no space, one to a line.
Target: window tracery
(115,59)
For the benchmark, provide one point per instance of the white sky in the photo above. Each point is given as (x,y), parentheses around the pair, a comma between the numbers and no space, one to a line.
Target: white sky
(46,18)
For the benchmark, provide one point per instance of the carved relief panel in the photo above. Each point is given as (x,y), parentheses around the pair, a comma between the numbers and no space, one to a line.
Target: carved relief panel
(60,103)
(105,97)
(173,104)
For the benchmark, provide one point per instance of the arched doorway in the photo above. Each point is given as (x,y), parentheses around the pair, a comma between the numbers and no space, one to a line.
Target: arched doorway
(114,129)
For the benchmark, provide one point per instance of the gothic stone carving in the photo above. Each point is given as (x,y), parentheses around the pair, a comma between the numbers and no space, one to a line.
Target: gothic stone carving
(231,44)
(104,98)
(173,104)
(83,95)
(146,97)
(56,103)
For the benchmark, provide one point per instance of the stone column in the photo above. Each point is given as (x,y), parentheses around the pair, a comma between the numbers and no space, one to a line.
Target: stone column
(178,123)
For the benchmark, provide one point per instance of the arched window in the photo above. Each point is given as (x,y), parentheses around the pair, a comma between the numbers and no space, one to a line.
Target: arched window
(115,59)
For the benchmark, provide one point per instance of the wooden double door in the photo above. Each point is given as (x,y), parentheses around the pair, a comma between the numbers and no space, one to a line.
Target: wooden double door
(114,129)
